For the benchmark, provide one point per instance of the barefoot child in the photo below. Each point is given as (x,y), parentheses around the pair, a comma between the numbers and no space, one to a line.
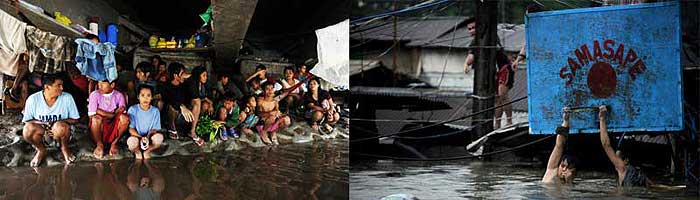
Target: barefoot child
(145,122)
(229,115)
(268,110)
(248,114)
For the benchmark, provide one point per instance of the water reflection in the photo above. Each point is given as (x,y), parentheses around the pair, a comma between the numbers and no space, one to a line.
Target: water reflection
(299,171)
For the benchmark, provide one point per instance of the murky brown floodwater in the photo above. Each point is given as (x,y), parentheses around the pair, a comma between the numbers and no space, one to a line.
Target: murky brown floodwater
(371,179)
(316,170)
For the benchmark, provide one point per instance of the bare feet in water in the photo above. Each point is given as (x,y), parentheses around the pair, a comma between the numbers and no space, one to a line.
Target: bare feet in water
(99,150)
(113,150)
(36,161)
(69,157)
(264,137)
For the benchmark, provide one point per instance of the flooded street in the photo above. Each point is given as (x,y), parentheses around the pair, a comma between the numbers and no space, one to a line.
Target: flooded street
(317,170)
(488,180)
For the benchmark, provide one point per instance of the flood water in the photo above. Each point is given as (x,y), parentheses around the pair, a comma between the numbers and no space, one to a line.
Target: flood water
(486,180)
(317,170)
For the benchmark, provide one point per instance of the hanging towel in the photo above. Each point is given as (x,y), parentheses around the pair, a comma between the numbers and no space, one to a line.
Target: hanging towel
(48,53)
(12,43)
(96,60)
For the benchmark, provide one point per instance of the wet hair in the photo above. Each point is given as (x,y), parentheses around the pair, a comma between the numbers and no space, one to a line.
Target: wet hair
(260,67)
(288,68)
(49,79)
(174,68)
(144,86)
(570,160)
(145,67)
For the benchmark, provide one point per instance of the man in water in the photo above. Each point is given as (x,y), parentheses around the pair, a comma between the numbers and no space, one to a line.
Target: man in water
(560,169)
(627,174)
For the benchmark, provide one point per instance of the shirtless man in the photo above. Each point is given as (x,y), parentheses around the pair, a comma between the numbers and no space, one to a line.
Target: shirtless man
(49,111)
(627,174)
(268,110)
(560,169)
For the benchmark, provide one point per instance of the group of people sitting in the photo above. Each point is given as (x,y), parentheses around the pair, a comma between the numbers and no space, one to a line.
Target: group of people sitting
(263,105)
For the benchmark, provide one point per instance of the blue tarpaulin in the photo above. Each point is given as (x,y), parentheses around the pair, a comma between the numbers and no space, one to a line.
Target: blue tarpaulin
(626,57)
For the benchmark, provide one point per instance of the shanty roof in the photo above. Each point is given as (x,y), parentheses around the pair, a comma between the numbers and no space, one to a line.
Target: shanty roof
(358,66)
(435,32)
(512,38)
(411,29)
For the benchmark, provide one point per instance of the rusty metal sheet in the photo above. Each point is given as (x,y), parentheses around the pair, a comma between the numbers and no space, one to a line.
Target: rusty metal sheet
(626,57)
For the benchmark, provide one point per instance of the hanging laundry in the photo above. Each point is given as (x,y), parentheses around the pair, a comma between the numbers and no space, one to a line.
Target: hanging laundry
(96,60)
(12,43)
(48,53)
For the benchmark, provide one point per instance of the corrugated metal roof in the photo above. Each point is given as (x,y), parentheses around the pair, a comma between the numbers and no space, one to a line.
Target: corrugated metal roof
(406,92)
(412,29)
(436,32)
(512,38)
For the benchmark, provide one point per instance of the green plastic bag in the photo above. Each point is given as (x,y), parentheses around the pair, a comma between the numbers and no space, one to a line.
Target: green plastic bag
(206,16)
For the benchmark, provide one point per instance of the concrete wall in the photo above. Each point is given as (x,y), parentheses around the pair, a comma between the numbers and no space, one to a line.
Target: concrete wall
(444,68)
(443,59)
(406,62)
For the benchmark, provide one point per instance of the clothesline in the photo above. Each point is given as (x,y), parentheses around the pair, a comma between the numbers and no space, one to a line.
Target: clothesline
(50,53)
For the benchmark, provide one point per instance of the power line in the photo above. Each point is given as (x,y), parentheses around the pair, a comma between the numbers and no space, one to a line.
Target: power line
(429,13)
(441,135)
(432,125)
(449,50)
(410,9)
(456,157)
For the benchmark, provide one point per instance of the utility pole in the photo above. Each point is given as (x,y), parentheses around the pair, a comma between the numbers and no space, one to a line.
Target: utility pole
(485,69)
(395,48)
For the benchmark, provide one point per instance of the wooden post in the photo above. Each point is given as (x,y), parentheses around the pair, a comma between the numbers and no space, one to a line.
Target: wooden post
(395,53)
(485,69)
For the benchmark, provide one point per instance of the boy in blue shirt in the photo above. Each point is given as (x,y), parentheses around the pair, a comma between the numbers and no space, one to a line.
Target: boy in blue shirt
(49,111)
(144,125)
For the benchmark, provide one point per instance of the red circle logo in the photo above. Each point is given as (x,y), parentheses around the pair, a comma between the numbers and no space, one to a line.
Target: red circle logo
(602,80)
